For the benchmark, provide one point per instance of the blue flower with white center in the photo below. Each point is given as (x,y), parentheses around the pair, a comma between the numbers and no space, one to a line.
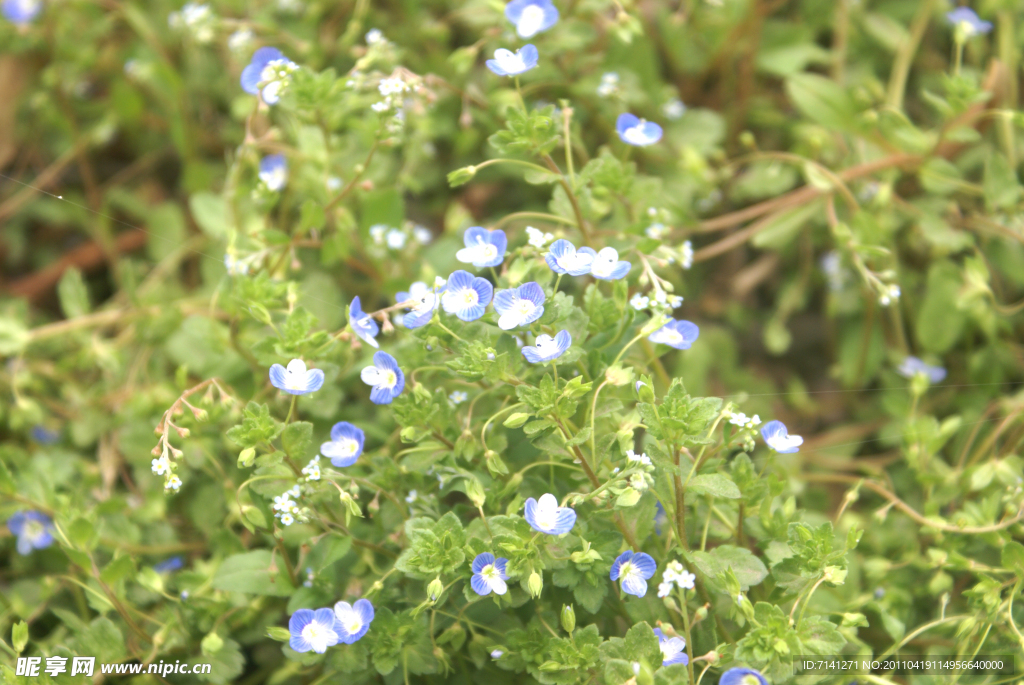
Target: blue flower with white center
(296,379)
(21,12)
(266,74)
(564,258)
(633,570)
(777,436)
(466,296)
(967,22)
(489,575)
(422,300)
(33,529)
(635,131)
(345,446)
(168,565)
(458,397)
(742,676)
(519,306)
(912,366)
(313,631)
(607,266)
(483,247)
(353,620)
(546,349)
(677,334)
(274,172)
(545,516)
(363,324)
(671,649)
(508,63)
(387,379)
(531,16)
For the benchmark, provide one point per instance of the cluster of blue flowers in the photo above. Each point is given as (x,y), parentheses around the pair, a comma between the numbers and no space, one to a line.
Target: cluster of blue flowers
(315,631)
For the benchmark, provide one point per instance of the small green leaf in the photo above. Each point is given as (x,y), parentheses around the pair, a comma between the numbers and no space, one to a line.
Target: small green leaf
(714,485)
(19,636)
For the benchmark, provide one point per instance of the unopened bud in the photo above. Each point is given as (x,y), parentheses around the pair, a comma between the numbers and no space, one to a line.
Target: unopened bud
(535,584)
(568,618)
(435,589)
(700,614)
(246,457)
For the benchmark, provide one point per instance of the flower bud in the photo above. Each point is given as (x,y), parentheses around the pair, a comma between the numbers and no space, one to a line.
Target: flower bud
(516,420)
(435,589)
(644,390)
(568,618)
(535,584)
(700,614)
(246,457)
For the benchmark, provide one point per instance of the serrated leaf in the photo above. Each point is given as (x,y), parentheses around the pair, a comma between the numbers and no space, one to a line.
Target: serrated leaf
(714,485)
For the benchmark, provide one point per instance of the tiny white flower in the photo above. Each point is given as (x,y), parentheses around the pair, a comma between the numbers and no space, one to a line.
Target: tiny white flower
(374,36)
(377,232)
(396,239)
(172,483)
(657,231)
(392,86)
(673,109)
(538,238)
(287,519)
(638,458)
(686,252)
(665,588)
(382,106)
(422,234)
(609,84)
(411,497)
(639,302)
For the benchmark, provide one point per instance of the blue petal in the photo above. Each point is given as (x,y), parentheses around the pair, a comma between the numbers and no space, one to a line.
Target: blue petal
(530,513)
(773,429)
(364,609)
(475,235)
(504,300)
(493,66)
(625,121)
(277,376)
(533,292)
(634,585)
(471,313)
(380,395)
(645,564)
(16,523)
(299,644)
(564,341)
(560,248)
(299,620)
(514,9)
(735,676)
(383,360)
(679,658)
(250,79)
(617,564)
(314,380)
(265,55)
(498,238)
(619,271)
(484,559)
(417,319)
(500,564)
(479,585)
(460,279)
(484,290)
(344,429)
(565,520)
(529,54)
(533,355)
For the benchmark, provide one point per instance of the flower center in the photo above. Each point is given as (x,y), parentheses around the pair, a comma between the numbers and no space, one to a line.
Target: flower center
(386,378)
(32,530)
(673,336)
(348,446)
(530,21)
(546,518)
(470,296)
(627,570)
(295,381)
(635,134)
(525,307)
(489,572)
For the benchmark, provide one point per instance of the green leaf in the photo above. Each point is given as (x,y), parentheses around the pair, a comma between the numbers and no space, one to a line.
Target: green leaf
(642,644)
(250,572)
(820,636)
(210,213)
(329,550)
(19,636)
(939,322)
(749,570)
(74,296)
(784,227)
(297,438)
(822,100)
(714,485)
(1013,557)
(14,336)
(257,426)
(1001,186)
(118,569)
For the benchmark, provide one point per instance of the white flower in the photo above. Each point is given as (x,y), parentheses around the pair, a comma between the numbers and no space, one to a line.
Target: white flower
(673,109)
(333,183)
(538,238)
(458,397)
(172,483)
(665,588)
(287,519)
(631,456)
(377,232)
(609,84)
(240,39)
(686,580)
(738,419)
(890,294)
(374,36)
(422,234)
(382,106)
(312,469)
(161,466)
(396,239)
(639,302)
(411,497)
(657,231)
(392,86)
(686,252)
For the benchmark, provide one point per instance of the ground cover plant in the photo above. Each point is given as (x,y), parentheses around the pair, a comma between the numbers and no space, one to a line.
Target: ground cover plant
(558,341)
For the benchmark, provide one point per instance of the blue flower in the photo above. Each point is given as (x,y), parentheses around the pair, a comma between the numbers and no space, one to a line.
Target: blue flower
(385,377)
(489,575)
(296,379)
(353,620)
(483,247)
(545,348)
(519,306)
(964,19)
(33,529)
(345,446)
(742,676)
(778,438)
(168,565)
(271,68)
(22,12)
(912,366)
(508,63)
(44,436)
(274,172)
(564,258)
(531,16)
(466,296)
(313,630)
(422,300)
(634,570)
(607,266)
(635,131)
(546,516)
(671,649)
(363,324)
(677,334)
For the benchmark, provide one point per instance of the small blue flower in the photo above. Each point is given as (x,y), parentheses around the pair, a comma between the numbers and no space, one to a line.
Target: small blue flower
(671,649)
(677,334)
(489,575)
(964,19)
(387,379)
(742,676)
(422,300)
(345,446)
(634,570)
(313,630)
(274,172)
(546,349)
(44,436)
(912,366)
(483,247)
(458,397)
(33,528)
(531,16)
(564,258)
(363,324)
(519,306)
(607,266)
(547,517)
(353,620)
(635,131)
(168,565)
(508,63)
(296,379)
(269,67)
(22,12)
(466,296)
(777,436)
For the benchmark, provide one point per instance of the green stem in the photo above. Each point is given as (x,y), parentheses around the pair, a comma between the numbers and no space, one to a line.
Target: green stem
(291,409)
(689,641)
(905,55)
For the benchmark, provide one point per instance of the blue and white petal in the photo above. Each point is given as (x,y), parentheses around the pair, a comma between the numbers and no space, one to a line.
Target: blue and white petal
(508,63)
(607,266)
(545,348)
(638,132)
(466,296)
(274,172)
(545,516)
(385,377)
(353,620)
(564,258)
(363,325)
(296,379)
(531,16)
(519,306)
(742,676)
(21,12)
(484,248)
(777,436)
(345,446)
(677,334)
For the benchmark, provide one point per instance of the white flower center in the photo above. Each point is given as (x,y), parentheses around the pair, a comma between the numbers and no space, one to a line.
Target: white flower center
(315,635)
(348,447)
(386,378)
(32,529)
(627,570)
(673,336)
(524,308)
(489,572)
(470,297)
(294,381)
(636,135)
(530,21)
(546,518)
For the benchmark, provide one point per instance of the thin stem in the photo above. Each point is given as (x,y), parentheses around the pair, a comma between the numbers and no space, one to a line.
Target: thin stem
(291,409)
(905,55)
(580,223)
